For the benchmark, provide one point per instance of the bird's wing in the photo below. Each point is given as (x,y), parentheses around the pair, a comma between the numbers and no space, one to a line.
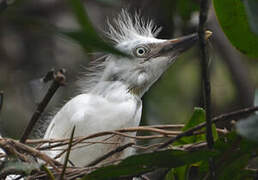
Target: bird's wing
(63,122)
(90,114)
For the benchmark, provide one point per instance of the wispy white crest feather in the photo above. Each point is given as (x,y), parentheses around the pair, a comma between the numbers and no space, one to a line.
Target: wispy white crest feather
(126,27)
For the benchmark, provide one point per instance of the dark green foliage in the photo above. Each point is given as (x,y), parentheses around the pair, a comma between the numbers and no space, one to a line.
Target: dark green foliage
(197,118)
(87,37)
(186,8)
(139,164)
(233,156)
(234,22)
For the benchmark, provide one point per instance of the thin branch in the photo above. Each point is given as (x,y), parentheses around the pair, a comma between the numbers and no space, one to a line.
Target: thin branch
(204,6)
(59,79)
(235,114)
(67,155)
(223,117)
(109,154)
(154,129)
(48,172)
(10,145)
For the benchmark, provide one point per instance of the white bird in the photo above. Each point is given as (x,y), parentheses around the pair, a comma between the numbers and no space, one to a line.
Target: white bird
(112,88)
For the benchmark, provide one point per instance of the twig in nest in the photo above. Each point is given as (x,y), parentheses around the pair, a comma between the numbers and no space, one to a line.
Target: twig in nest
(12,144)
(67,155)
(117,150)
(58,80)
(223,117)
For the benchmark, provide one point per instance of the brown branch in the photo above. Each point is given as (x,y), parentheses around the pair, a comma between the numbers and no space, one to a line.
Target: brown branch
(204,6)
(59,79)
(10,145)
(109,154)
(67,155)
(155,129)
(223,117)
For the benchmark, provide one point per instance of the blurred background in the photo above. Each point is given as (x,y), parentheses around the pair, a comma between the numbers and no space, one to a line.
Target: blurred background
(28,50)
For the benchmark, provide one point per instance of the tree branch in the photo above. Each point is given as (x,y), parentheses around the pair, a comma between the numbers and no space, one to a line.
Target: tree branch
(109,154)
(58,80)
(223,117)
(205,69)
(204,6)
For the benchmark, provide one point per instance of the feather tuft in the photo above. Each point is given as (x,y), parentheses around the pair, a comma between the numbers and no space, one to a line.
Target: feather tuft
(127,27)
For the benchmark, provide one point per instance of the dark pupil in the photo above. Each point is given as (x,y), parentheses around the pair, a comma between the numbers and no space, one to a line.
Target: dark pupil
(140,51)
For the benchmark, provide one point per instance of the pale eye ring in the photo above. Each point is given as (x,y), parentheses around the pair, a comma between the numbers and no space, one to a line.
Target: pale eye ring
(141,51)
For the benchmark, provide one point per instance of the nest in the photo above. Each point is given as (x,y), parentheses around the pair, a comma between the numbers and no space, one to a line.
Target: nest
(33,150)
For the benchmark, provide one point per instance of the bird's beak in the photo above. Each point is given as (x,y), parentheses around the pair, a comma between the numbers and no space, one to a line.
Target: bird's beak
(179,45)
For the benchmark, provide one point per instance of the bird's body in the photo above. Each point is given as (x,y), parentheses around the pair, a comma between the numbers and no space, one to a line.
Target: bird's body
(118,109)
(112,88)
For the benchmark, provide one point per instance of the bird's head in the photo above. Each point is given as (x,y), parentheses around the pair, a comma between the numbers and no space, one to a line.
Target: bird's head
(149,56)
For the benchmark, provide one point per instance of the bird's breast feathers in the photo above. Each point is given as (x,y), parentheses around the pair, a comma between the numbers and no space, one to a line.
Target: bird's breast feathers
(91,113)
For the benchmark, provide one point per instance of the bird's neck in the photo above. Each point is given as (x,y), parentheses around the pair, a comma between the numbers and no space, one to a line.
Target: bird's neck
(114,90)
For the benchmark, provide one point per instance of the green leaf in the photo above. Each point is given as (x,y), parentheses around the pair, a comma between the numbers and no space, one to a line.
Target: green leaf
(179,173)
(251,7)
(182,173)
(87,36)
(197,118)
(233,155)
(170,175)
(235,169)
(137,164)
(234,22)
(186,8)
(90,43)
(236,155)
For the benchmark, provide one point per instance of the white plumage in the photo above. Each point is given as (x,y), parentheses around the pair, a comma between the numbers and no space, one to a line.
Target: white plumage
(91,113)
(112,88)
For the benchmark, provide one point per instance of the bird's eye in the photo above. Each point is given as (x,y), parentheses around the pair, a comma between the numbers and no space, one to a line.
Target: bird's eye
(141,51)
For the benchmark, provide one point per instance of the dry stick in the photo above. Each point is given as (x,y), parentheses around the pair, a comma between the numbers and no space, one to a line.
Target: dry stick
(59,80)
(227,116)
(205,70)
(67,155)
(155,128)
(109,154)
(12,144)
(119,132)
(204,6)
